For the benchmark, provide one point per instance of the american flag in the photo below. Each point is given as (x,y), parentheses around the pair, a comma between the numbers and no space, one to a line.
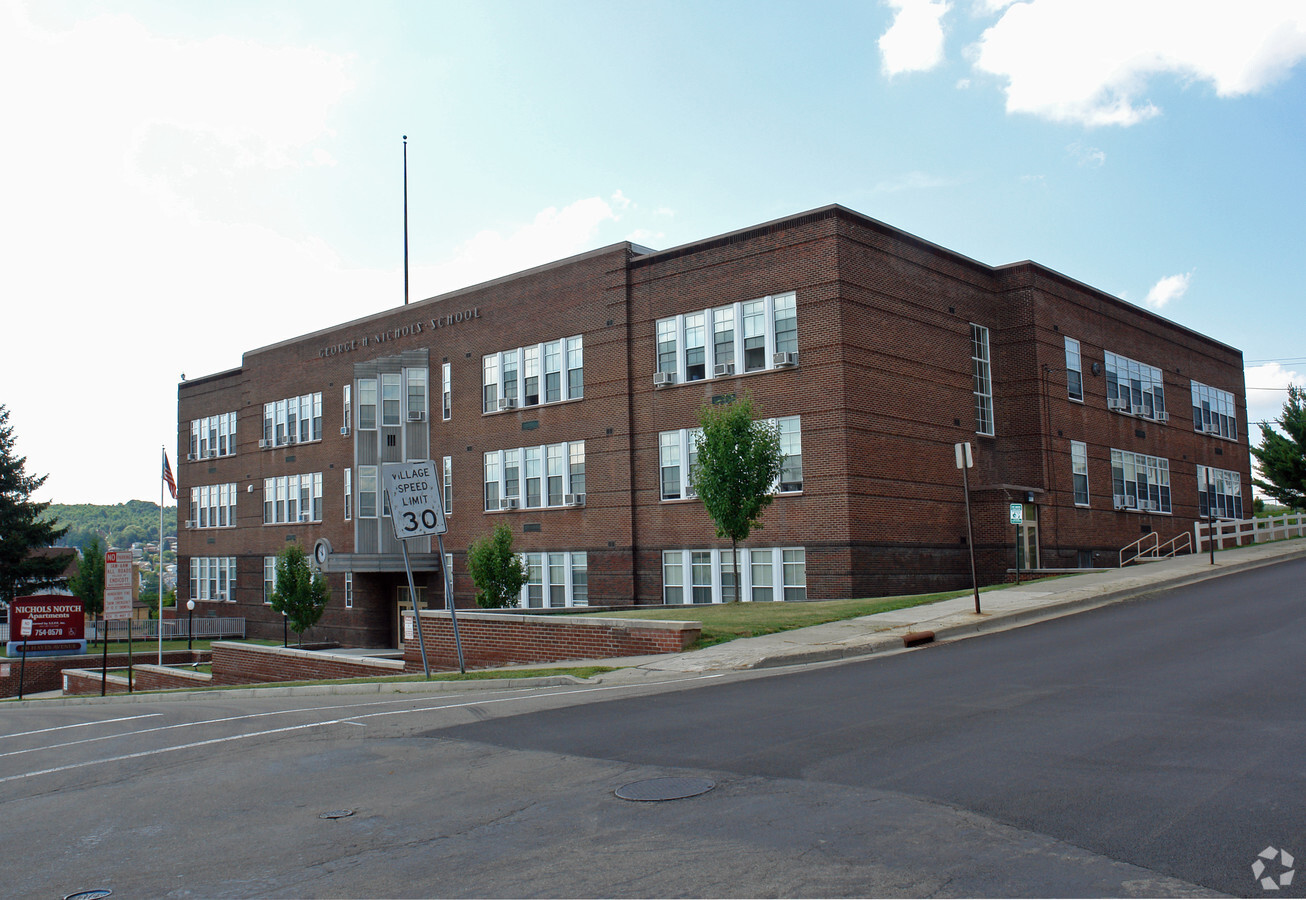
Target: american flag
(167,476)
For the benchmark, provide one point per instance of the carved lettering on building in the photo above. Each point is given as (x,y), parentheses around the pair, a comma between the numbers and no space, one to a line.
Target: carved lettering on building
(399,332)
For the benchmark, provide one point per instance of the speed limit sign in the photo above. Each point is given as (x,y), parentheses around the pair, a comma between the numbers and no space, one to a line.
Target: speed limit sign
(416,498)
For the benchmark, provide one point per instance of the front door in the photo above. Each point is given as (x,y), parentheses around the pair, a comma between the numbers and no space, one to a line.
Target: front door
(1027,540)
(404,604)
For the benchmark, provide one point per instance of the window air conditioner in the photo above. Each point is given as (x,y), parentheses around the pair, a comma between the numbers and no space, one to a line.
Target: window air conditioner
(508,503)
(1163,417)
(1213,428)
(190,457)
(303,517)
(213,454)
(507,403)
(416,416)
(1118,404)
(290,439)
(784,360)
(264,443)
(190,523)
(344,431)
(721,370)
(573,499)
(663,379)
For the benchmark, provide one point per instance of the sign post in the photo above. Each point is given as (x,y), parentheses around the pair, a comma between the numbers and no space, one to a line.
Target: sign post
(1017,519)
(119,581)
(24,632)
(965,460)
(415,492)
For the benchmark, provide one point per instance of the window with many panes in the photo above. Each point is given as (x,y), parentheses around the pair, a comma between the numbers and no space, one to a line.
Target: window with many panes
(349,494)
(1134,388)
(1219,490)
(1079,471)
(213,578)
(1139,481)
(678,453)
(708,576)
(213,506)
(293,420)
(446,389)
(555,579)
(448,485)
(535,477)
(212,436)
(760,334)
(367,403)
(1074,371)
(292,498)
(982,377)
(1214,411)
(367,492)
(514,378)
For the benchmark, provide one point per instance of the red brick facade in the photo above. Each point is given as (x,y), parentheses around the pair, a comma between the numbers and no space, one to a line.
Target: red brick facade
(883,386)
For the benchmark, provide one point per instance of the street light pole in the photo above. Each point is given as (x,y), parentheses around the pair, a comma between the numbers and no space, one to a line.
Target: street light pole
(190,622)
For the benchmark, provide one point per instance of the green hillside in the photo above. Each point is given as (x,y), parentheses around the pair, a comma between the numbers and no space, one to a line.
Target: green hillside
(120,525)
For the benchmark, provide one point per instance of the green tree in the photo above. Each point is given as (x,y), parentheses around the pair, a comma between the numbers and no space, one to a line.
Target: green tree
(738,464)
(1281,457)
(88,584)
(23,526)
(301,594)
(497,572)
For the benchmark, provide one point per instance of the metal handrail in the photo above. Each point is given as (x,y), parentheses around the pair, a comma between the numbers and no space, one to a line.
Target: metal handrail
(1141,552)
(1182,541)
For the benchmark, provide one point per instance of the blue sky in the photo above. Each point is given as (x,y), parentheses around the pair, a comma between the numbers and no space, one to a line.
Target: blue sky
(187,181)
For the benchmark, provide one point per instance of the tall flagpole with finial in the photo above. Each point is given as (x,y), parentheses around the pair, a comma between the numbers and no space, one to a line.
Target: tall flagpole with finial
(405,220)
(163,482)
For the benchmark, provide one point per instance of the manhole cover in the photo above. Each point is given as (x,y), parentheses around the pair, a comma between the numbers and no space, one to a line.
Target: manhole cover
(665,789)
(336,814)
(97,894)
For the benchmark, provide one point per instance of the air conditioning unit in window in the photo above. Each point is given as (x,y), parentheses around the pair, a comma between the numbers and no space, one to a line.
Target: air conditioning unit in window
(190,523)
(290,439)
(507,403)
(1118,404)
(721,370)
(663,379)
(509,503)
(213,454)
(784,360)
(344,431)
(190,457)
(573,499)
(1163,417)
(264,443)
(303,517)
(1213,428)
(416,416)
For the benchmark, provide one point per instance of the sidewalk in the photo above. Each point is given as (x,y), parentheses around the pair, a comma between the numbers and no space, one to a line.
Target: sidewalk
(956,618)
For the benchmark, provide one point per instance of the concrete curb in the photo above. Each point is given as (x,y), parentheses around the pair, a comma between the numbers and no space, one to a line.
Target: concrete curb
(892,640)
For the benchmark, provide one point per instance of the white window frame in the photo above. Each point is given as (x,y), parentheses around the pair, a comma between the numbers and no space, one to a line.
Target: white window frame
(213,579)
(565,460)
(981,359)
(1147,400)
(782,563)
(541,569)
(671,336)
(1074,367)
(289,495)
(504,375)
(1214,411)
(1138,470)
(1225,489)
(1079,470)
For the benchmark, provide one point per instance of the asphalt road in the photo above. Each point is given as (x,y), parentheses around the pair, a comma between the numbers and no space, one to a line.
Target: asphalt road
(1144,749)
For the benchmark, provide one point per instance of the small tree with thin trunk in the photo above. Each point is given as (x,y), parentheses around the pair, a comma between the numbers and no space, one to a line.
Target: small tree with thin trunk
(301,594)
(88,584)
(497,571)
(737,467)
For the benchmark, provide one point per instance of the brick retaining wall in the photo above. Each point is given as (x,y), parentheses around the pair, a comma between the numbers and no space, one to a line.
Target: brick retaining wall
(236,663)
(507,639)
(45,673)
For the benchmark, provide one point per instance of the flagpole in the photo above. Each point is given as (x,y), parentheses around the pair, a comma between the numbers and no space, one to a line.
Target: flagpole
(161,485)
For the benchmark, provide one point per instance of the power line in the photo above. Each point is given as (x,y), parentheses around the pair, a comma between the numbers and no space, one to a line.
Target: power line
(1297,359)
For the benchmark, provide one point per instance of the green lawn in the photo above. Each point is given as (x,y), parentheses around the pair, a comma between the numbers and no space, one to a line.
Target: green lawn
(727,621)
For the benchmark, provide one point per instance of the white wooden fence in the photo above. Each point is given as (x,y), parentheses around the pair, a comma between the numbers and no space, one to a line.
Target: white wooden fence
(1240,532)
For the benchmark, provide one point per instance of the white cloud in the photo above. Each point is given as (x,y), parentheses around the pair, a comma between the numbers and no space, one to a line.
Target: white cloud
(1091,61)
(1267,391)
(1168,289)
(914,42)
(1089,157)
